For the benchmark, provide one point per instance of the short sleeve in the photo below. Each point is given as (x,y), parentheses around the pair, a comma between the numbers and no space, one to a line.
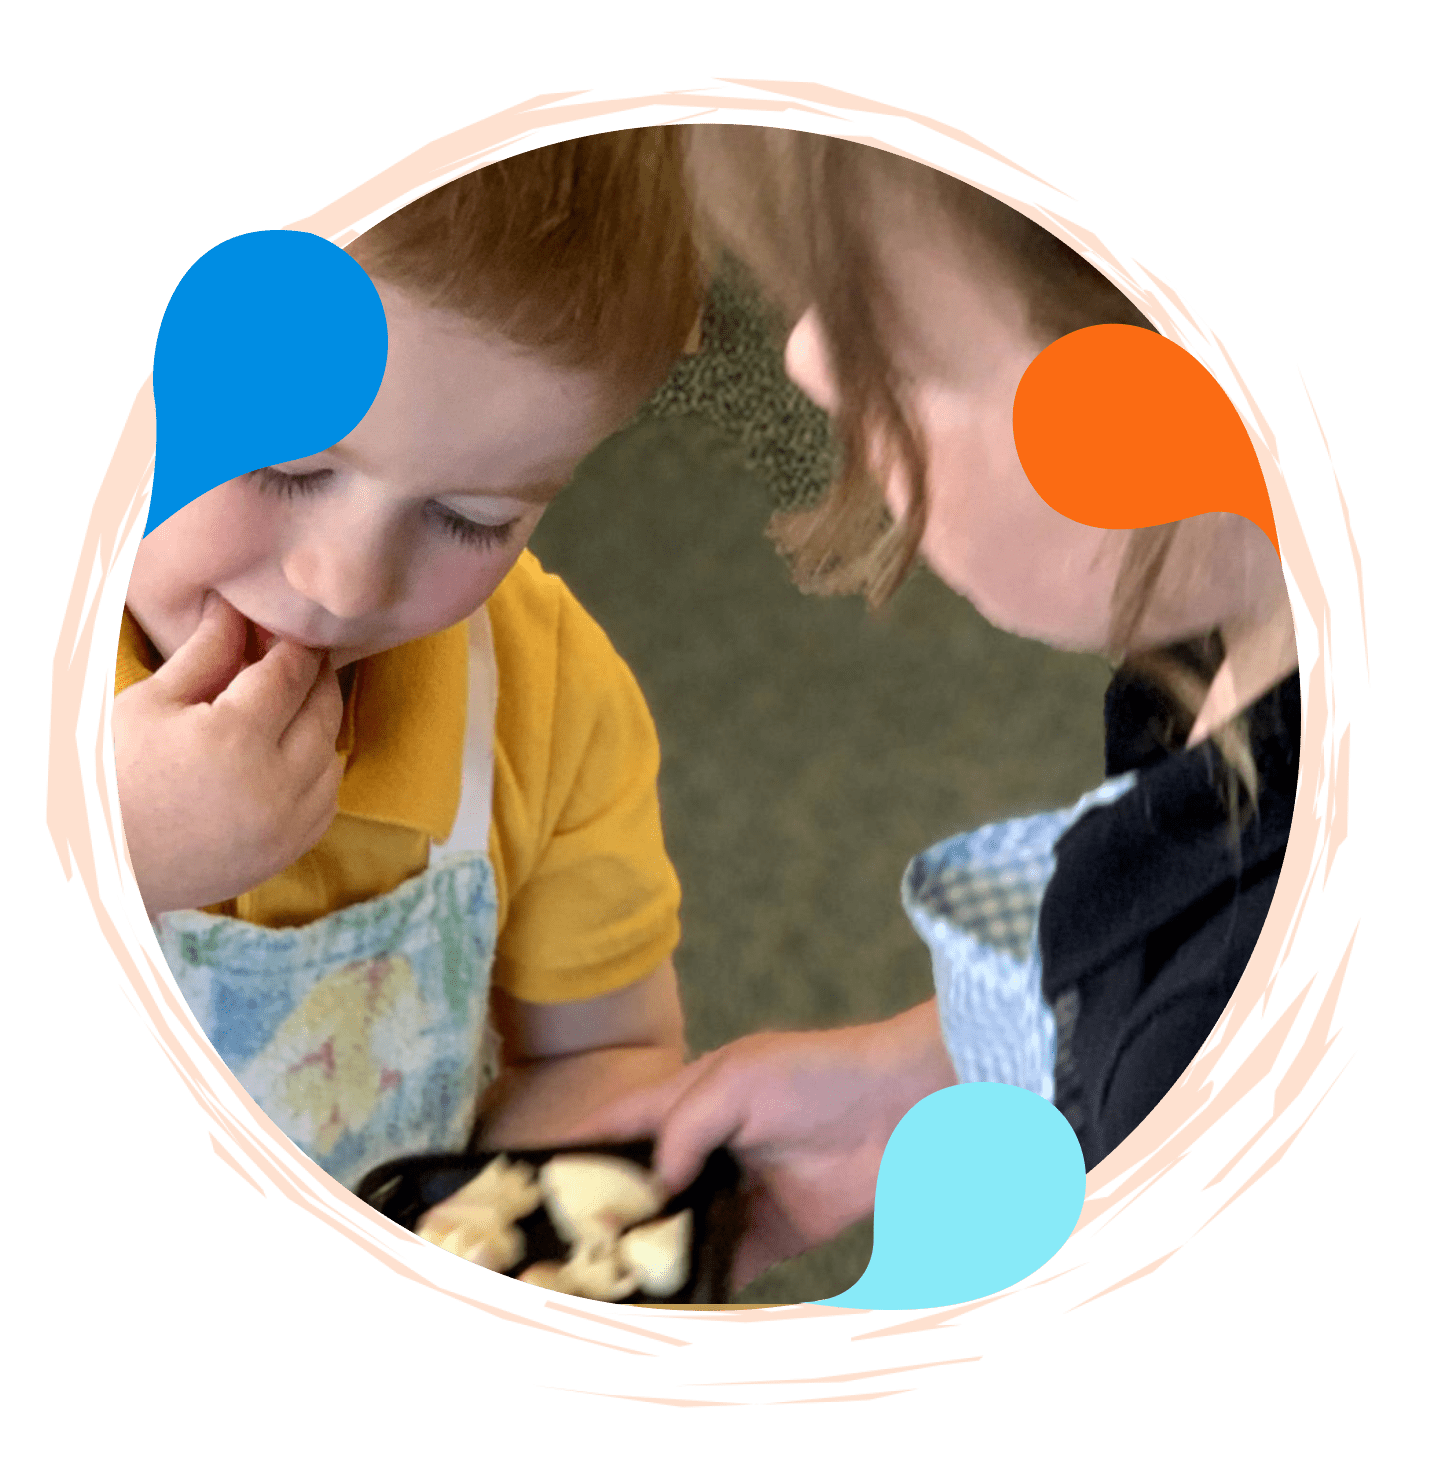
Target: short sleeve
(589,900)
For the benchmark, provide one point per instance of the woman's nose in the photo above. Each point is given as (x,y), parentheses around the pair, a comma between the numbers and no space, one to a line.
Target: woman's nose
(807,362)
(342,567)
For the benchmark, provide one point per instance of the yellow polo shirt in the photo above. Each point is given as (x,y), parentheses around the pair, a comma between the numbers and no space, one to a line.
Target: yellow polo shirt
(588,900)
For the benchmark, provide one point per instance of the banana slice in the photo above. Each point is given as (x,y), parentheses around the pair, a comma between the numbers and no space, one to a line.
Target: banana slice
(593,1197)
(658,1254)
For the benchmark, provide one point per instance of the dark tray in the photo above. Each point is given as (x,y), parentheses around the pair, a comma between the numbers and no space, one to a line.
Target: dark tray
(404,1189)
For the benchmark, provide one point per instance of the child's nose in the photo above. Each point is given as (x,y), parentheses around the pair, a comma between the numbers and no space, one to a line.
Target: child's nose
(347,570)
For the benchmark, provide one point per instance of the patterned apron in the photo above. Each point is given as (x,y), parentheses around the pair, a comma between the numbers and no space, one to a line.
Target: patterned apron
(975,900)
(365,1035)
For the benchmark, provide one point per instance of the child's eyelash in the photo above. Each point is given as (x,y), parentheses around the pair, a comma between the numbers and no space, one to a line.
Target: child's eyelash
(472,533)
(277,482)
(469,532)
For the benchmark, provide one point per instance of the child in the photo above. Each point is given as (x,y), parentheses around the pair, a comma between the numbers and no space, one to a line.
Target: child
(377,770)
(1085,954)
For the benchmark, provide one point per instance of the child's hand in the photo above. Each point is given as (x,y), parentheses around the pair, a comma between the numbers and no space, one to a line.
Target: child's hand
(806,1113)
(227,772)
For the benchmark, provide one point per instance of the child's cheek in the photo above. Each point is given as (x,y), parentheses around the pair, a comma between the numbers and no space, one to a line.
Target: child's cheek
(222,537)
(464,582)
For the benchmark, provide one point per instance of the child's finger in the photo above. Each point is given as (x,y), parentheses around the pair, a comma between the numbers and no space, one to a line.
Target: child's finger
(208,661)
(317,722)
(319,802)
(274,689)
(320,780)
(704,1118)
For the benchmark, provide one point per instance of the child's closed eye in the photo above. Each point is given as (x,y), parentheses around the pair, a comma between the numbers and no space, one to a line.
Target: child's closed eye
(456,526)
(471,532)
(287,486)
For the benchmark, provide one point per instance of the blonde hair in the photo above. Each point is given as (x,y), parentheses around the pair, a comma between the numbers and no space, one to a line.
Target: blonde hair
(800,210)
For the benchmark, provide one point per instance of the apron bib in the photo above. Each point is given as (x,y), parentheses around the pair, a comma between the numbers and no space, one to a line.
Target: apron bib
(365,1035)
(975,900)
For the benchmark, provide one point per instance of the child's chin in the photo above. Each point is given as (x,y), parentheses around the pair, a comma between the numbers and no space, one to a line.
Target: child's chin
(343,655)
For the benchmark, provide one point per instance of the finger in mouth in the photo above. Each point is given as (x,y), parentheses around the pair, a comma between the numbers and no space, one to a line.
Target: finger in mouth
(258,642)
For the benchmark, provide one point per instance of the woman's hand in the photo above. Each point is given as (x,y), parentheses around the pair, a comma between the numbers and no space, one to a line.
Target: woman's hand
(227,772)
(806,1113)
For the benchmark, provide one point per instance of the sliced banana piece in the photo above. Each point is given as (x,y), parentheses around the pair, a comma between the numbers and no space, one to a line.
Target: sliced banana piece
(658,1254)
(593,1197)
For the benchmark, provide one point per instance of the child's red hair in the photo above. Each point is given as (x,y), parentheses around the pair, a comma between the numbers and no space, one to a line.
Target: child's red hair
(582,250)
